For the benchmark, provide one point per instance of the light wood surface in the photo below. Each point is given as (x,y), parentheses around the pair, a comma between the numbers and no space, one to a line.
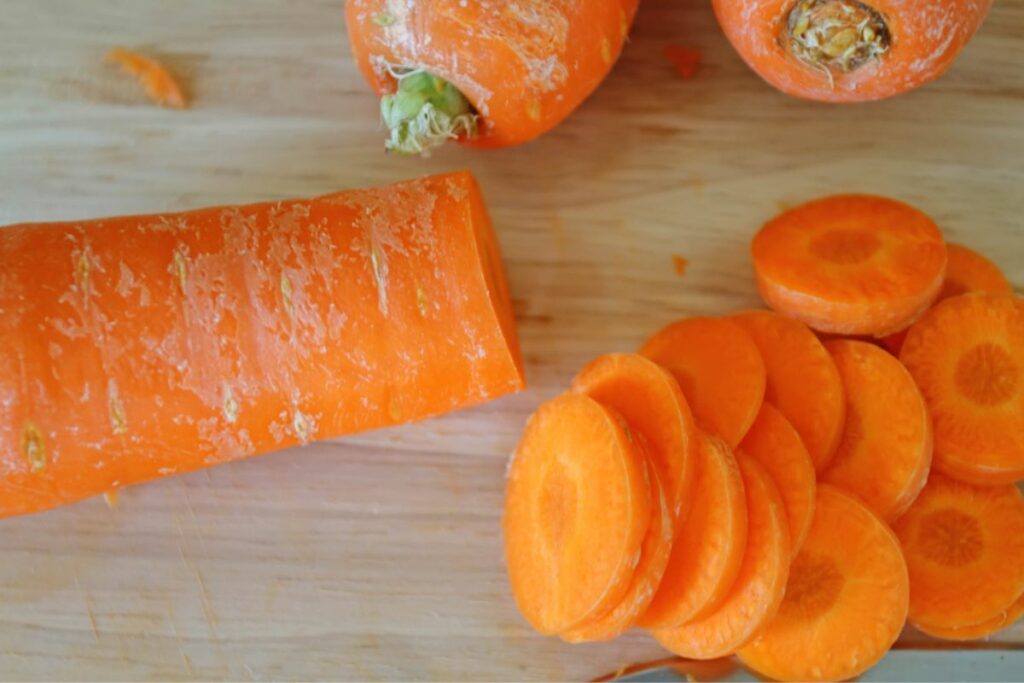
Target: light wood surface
(380,556)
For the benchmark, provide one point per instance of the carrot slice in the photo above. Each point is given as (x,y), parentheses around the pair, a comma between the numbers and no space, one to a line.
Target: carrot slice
(1003,620)
(654,554)
(964,546)
(803,382)
(160,85)
(719,369)
(886,451)
(757,593)
(966,271)
(577,508)
(967,357)
(774,443)
(649,399)
(845,602)
(708,549)
(850,264)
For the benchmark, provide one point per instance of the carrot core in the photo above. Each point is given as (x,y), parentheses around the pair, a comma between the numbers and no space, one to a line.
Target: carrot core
(836,35)
(950,538)
(987,375)
(814,586)
(424,112)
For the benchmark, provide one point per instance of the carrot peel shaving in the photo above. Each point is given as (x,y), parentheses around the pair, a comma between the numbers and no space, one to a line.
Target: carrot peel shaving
(686,60)
(159,83)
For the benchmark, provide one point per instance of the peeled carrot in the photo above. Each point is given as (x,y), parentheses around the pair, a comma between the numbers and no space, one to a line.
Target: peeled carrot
(850,264)
(160,85)
(802,380)
(849,50)
(846,598)
(983,629)
(142,346)
(708,549)
(886,451)
(756,594)
(488,72)
(964,546)
(650,401)
(719,369)
(577,508)
(967,357)
(774,443)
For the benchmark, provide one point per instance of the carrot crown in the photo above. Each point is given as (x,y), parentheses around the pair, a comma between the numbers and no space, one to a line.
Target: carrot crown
(425,112)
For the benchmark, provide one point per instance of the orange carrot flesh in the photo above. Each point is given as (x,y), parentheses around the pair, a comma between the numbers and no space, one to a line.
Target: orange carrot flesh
(845,602)
(774,444)
(164,344)
(886,451)
(719,369)
(964,546)
(967,357)
(757,592)
(708,549)
(981,630)
(650,401)
(160,84)
(802,380)
(654,554)
(850,264)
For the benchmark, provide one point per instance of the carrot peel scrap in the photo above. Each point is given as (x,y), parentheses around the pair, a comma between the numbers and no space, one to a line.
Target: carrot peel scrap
(159,83)
(686,60)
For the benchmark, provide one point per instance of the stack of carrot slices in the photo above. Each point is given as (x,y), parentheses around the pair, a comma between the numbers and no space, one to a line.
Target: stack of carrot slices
(744,486)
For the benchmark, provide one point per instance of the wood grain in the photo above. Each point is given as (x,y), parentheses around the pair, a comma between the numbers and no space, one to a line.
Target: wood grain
(380,556)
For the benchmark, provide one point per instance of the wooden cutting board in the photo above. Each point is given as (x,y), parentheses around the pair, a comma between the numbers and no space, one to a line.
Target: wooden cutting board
(380,556)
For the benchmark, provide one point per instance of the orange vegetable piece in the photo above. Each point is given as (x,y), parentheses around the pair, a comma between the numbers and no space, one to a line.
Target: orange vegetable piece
(708,549)
(967,357)
(886,452)
(846,599)
(679,264)
(849,50)
(686,60)
(654,554)
(168,343)
(774,443)
(649,399)
(850,264)
(159,83)
(964,546)
(984,629)
(803,382)
(757,592)
(719,369)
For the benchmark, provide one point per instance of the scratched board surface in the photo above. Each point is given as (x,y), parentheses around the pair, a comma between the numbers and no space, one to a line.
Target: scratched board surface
(379,556)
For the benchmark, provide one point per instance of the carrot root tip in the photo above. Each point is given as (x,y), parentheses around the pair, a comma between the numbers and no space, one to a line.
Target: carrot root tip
(425,112)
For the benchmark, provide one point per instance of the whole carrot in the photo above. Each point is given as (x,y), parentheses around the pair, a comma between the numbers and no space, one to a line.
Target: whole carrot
(143,346)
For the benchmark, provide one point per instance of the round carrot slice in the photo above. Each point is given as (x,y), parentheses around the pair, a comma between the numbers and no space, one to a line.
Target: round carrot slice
(964,546)
(708,549)
(845,602)
(654,555)
(719,369)
(774,443)
(577,507)
(803,382)
(967,357)
(649,399)
(886,451)
(1003,620)
(757,592)
(850,264)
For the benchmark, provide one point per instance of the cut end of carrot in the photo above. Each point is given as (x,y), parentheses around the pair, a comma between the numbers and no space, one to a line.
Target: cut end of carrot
(159,83)
(686,60)
(679,264)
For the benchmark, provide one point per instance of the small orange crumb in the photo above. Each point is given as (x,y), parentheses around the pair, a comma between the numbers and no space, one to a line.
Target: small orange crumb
(160,85)
(686,60)
(680,264)
(111,498)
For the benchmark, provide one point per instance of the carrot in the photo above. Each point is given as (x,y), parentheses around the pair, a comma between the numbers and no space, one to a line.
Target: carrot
(964,546)
(967,357)
(489,72)
(686,60)
(886,451)
(757,592)
(654,554)
(980,630)
(966,271)
(774,443)
(802,380)
(159,83)
(849,50)
(577,508)
(679,264)
(708,549)
(650,400)
(850,264)
(719,369)
(155,345)
(845,602)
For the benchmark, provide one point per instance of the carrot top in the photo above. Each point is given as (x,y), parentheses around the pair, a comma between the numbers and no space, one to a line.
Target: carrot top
(425,112)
